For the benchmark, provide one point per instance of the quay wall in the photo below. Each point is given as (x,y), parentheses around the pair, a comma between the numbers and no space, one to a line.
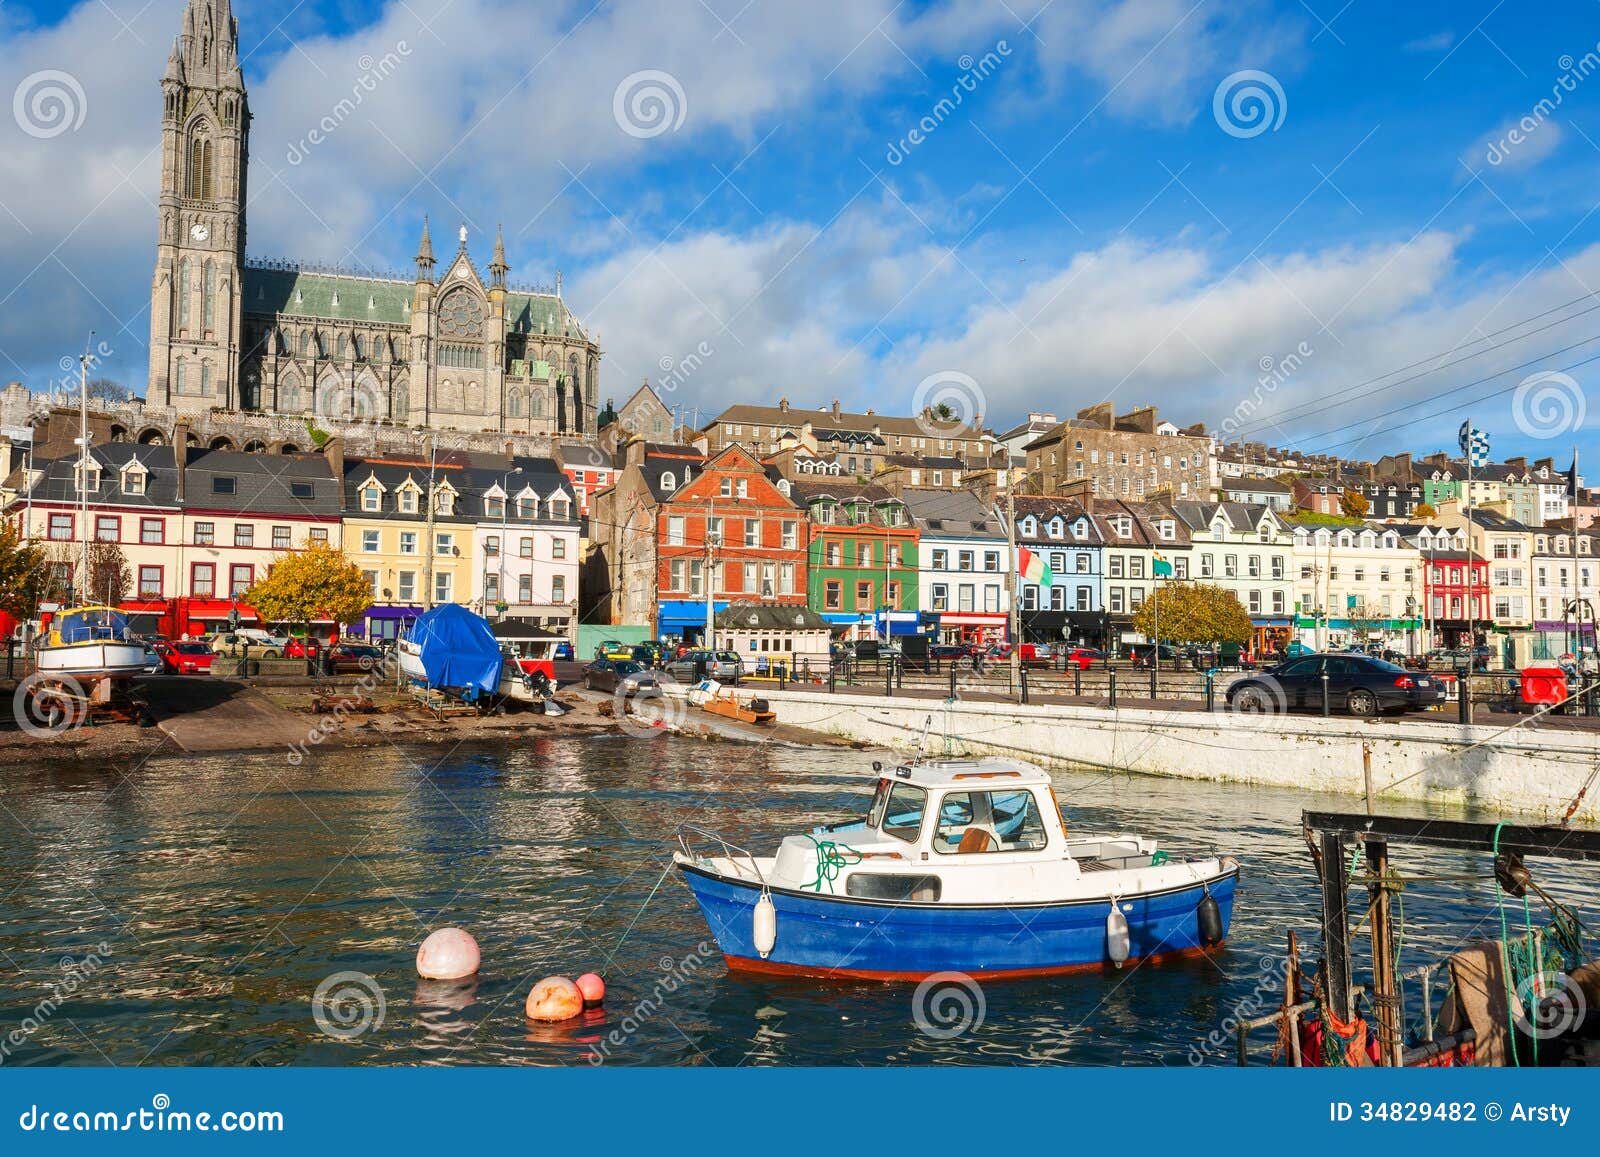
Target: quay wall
(1523,769)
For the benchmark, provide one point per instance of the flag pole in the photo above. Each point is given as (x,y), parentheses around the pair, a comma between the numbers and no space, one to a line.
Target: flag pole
(1015,583)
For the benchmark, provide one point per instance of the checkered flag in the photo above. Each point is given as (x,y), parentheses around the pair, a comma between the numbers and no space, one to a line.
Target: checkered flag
(1474,444)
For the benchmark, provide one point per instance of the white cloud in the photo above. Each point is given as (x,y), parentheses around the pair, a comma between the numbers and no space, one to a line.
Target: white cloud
(1518,144)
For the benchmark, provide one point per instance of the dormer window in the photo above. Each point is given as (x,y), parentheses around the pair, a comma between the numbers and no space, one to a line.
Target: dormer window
(1030,526)
(86,476)
(1056,527)
(669,482)
(444,502)
(494,506)
(560,508)
(407,500)
(134,478)
(371,499)
(527,506)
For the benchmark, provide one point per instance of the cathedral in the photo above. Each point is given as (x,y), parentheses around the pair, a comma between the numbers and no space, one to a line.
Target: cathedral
(446,352)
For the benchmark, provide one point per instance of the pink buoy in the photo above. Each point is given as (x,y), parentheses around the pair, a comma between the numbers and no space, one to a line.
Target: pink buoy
(448,954)
(593,990)
(555,998)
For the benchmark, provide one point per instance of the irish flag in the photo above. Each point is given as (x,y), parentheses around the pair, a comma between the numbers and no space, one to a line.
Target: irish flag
(1033,567)
(1162,566)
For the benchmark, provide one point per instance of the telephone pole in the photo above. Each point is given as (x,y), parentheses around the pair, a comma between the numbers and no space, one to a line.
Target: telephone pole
(427,546)
(1013,581)
(708,586)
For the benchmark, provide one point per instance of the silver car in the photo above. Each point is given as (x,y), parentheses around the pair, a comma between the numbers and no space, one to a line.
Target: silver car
(723,666)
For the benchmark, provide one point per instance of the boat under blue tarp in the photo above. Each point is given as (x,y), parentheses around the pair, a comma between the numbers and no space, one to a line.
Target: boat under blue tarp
(455,650)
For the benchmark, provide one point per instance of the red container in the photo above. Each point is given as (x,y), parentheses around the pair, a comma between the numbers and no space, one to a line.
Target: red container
(1543,686)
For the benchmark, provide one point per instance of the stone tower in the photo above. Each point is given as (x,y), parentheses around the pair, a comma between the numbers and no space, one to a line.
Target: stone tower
(195,307)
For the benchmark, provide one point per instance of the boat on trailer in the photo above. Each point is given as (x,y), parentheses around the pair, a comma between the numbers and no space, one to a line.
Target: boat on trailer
(90,643)
(959,866)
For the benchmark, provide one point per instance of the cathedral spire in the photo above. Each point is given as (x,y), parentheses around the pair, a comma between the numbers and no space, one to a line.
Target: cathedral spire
(425,253)
(497,264)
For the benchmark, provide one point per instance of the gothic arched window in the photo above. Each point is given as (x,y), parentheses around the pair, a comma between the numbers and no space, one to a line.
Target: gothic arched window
(205,379)
(536,405)
(179,381)
(514,404)
(210,308)
(200,168)
(183,294)
(305,343)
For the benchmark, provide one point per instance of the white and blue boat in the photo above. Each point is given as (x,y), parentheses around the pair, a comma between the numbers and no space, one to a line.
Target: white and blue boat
(959,866)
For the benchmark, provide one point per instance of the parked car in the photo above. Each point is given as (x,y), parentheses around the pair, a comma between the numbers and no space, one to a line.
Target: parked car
(1032,654)
(262,644)
(1083,658)
(1297,649)
(1357,684)
(564,651)
(614,649)
(154,662)
(302,648)
(1140,653)
(873,649)
(692,666)
(348,657)
(187,658)
(645,655)
(617,674)
(951,651)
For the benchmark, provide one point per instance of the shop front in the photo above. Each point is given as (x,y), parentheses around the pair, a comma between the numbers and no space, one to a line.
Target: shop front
(1272,635)
(378,623)
(684,619)
(971,628)
(1077,628)
(185,617)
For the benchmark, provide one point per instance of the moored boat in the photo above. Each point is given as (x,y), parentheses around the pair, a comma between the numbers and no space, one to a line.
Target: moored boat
(90,642)
(960,866)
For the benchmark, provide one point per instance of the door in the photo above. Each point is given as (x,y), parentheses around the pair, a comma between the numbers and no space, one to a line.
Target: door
(1343,675)
(1298,679)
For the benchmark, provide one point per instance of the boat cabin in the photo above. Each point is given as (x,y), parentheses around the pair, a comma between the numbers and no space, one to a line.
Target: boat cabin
(88,625)
(533,647)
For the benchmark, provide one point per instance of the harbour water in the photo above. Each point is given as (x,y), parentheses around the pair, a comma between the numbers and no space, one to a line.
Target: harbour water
(187,913)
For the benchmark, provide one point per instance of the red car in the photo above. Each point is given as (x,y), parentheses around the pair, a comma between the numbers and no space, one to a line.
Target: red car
(1083,658)
(188,658)
(298,648)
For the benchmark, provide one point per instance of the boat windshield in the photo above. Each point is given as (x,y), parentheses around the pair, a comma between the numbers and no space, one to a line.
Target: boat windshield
(902,816)
(989,821)
(92,625)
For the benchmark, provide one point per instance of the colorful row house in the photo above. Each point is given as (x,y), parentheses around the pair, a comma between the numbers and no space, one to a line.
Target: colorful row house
(862,570)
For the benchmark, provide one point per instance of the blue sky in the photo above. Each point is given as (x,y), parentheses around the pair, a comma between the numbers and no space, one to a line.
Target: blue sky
(1080,226)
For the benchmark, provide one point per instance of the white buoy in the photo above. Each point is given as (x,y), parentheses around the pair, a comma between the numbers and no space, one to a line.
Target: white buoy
(1116,935)
(764,925)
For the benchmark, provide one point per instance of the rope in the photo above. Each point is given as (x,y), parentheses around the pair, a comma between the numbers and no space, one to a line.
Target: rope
(830,860)
(1524,960)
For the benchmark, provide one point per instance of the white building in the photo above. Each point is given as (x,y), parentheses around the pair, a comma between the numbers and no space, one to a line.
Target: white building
(1358,584)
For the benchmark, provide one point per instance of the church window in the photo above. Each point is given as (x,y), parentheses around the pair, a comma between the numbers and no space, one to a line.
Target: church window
(205,379)
(514,404)
(182,373)
(461,316)
(305,343)
(210,295)
(344,346)
(183,294)
(200,168)
(536,405)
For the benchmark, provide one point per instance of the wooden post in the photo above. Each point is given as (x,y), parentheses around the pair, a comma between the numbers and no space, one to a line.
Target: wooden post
(1291,998)
(1385,999)
(1366,771)
(1335,926)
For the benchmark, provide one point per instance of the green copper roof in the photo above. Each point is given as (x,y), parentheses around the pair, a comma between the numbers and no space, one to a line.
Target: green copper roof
(325,295)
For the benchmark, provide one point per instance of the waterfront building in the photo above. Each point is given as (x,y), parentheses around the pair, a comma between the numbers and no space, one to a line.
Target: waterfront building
(1254,491)
(1508,546)
(1014,442)
(232,333)
(964,579)
(1393,496)
(1133,532)
(1357,584)
(504,539)
(1244,548)
(199,526)
(1531,494)
(1564,572)
(1071,541)
(1128,457)
(678,529)
(858,441)
(1455,585)
(862,574)
(775,636)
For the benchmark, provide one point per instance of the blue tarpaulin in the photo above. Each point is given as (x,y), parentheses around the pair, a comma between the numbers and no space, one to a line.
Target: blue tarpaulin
(459,650)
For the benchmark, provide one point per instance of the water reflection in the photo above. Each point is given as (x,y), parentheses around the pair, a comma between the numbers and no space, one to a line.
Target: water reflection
(228,889)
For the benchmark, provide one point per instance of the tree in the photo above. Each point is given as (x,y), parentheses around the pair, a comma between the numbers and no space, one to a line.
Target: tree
(304,585)
(24,574)
(108,390)
(1425,510)
(1194,613)
(1354,504)
(110,577)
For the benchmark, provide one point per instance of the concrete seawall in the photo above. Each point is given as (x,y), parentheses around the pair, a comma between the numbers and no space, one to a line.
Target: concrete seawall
(1521,769)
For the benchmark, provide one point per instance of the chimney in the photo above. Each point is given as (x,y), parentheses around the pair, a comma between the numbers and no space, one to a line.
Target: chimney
(633,452)
(1519,463)
(836,407)
(1141,420)
(783,405)
(180,454)
(1101,415)
(333,453)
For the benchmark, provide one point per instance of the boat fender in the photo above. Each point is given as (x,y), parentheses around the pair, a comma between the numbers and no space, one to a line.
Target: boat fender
(1210,916)
(764,925)
(1117,944)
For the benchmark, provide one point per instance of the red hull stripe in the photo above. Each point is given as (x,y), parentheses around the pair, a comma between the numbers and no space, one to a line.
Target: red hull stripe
(774,968)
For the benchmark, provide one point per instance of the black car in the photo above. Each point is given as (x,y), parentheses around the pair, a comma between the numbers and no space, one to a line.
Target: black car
(1357,684)
(617,674)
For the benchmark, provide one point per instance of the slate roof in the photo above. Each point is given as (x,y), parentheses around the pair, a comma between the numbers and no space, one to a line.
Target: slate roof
(952,514)
(469,481)
(824,422)
(770,617)
(261,483)
(55,483)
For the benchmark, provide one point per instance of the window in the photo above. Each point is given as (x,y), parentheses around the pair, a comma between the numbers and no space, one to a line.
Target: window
(491,544)
(444,544)
(301,490)
(494,507)
(675,530)
(727,488)
(1083,599)
(61,527)
(205,533)
(891,594)
(966,596)
(791,535)
(525,548)
(900,812)
(318,536)
(149,582)
(1114,600)
(280,538)
(863,554)
(133,482)
(491,588)
(408,542)
(964,560)
(222,484)
(1180,567)
(1115,562)
(941,560)
(863,595)
(941,596)
(443,587)
(525,588)
(408,501)
(107,527)
(991,560)
(968,823)
(407,587)
(752,532)
(1253,566)
(1136,566)
(203,580)
(833,595)
(240,578)
(1230,566)
(244,534)
(152,531)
